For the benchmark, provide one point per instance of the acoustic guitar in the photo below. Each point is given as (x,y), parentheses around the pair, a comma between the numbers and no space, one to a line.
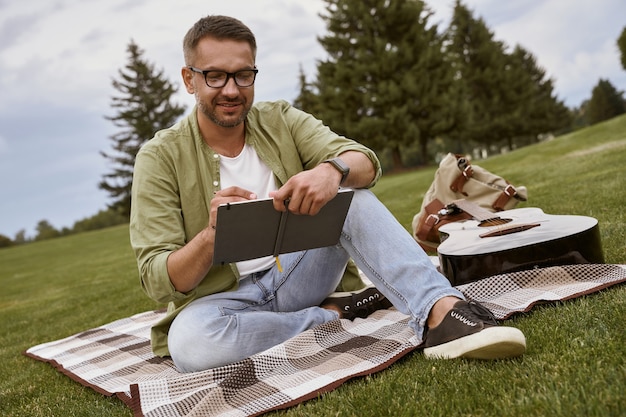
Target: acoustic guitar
(514,240)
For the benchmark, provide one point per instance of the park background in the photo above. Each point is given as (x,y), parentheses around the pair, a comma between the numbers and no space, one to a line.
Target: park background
(57,61)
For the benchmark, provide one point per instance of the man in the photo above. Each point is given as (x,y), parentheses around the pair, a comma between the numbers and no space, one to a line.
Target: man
(228,150)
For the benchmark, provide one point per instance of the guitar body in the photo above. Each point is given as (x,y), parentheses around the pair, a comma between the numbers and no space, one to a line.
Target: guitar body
(532,239)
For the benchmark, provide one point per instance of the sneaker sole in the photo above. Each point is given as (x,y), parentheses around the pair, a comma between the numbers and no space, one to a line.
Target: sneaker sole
(490,343)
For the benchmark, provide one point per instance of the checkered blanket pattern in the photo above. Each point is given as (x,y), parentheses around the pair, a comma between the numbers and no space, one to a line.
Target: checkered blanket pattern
(518,292)
(116,359)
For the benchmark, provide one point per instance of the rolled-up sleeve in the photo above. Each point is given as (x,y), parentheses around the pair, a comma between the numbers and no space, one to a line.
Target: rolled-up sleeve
(156,224)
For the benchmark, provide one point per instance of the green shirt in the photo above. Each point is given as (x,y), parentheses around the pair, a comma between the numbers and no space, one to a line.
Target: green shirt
(176,174)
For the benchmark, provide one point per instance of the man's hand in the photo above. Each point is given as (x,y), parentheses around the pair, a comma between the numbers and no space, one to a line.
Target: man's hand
(228,195)
(188,265)
(308,191)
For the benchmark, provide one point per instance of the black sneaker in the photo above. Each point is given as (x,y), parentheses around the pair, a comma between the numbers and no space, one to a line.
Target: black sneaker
(469,330)
(359,303)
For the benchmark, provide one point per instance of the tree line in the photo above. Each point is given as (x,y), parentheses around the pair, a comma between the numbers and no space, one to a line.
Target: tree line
(44,230)
(410,90)
(392,80)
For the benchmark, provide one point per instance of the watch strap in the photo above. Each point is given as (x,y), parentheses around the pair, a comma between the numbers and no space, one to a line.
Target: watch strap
(340,166)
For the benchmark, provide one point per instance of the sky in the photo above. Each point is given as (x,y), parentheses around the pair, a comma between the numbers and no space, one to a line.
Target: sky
(58,58)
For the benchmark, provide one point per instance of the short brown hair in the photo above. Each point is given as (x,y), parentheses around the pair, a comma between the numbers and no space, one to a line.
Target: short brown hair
(218,27)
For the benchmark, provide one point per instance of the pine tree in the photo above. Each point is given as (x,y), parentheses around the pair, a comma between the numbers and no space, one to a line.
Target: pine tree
(508,95)
(481,65)
(538,110)
(605,103)
(386,82)
(307,100)
(143,107)
(621,44)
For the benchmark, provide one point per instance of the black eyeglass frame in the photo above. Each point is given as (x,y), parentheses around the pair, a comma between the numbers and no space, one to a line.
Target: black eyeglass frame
(229,75)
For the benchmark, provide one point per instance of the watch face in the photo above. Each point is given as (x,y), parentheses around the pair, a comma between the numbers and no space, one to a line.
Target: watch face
(341,167)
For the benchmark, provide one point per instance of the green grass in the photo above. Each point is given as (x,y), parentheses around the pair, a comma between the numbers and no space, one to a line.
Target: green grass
(574,365)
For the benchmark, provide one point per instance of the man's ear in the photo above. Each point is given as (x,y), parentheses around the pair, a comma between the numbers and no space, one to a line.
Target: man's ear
(187,75)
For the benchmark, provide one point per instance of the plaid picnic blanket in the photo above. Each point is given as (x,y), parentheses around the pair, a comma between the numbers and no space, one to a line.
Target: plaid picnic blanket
(518,292)
(116,359)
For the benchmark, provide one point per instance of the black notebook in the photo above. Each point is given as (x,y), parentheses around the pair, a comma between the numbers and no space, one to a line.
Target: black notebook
(253,229)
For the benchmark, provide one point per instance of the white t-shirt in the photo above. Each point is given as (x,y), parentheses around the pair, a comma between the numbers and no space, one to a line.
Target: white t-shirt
(247,171)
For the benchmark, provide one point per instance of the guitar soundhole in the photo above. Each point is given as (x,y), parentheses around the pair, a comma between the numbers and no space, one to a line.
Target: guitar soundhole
(496,221)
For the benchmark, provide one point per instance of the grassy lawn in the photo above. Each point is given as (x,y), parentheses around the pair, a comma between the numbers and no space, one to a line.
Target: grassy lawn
(574,365)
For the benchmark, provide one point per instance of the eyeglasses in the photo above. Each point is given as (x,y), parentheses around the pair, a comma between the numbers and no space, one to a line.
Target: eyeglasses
(218,79)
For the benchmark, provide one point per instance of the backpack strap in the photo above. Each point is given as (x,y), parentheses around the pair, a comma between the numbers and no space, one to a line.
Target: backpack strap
(429,220)
(433,218)
(466,173)
(508,193)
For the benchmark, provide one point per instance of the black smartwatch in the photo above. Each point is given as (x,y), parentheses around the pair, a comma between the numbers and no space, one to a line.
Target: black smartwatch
(339,166)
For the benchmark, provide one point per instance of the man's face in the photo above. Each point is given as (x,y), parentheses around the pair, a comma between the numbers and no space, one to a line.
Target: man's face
(229,105)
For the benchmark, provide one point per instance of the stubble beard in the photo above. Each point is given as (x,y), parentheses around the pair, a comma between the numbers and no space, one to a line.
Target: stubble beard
(211,113)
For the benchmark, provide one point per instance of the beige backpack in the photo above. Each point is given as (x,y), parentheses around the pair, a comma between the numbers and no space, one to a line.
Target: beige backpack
(455,179)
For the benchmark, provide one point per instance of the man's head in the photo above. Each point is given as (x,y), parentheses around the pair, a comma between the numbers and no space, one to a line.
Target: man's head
(220,69)
(220,28)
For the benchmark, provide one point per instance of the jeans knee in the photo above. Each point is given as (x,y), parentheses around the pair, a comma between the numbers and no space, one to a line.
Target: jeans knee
(199,346)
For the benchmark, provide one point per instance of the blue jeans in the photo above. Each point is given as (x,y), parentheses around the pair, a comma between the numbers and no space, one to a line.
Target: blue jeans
(270,307)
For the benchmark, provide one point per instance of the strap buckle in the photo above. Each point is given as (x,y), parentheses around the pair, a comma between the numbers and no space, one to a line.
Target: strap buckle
(432,220)
(510,190)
